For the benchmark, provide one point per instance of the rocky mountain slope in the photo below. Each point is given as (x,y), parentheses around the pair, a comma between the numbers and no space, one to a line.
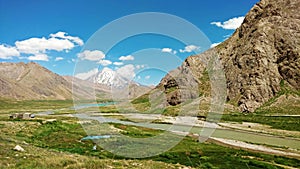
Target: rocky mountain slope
(261,57)
(33,82)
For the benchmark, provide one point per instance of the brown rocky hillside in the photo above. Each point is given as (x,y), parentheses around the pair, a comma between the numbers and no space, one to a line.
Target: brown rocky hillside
(261,57)
(31,81)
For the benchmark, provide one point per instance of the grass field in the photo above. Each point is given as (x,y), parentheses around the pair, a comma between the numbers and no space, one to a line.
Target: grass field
(276,122)
(8,106)
(63,137)
(57,144)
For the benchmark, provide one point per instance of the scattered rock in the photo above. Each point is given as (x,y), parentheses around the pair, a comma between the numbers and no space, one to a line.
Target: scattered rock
(18,148)
(49,121)
(25,143)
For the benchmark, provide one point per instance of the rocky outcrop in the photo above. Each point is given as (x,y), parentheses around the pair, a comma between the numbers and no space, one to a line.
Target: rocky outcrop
(179,88)
(262,54)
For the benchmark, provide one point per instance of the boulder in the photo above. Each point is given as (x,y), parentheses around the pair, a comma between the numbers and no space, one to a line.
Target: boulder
(18,148)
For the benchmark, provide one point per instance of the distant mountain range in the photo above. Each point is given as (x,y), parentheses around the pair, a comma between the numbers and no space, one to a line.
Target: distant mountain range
(122,87)
(31,81)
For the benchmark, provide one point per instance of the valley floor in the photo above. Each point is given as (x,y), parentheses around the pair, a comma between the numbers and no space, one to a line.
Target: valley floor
(53,140)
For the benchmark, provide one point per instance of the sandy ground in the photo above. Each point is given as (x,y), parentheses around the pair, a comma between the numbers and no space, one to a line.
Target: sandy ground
(181,120)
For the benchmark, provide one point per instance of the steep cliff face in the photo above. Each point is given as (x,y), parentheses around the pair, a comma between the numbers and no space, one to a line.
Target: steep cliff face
(260,56)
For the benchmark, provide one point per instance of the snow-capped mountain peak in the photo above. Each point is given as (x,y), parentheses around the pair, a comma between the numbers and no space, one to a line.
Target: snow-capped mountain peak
(109,77)
(106,76)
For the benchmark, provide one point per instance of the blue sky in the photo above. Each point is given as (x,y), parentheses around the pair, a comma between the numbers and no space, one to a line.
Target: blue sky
(53,33)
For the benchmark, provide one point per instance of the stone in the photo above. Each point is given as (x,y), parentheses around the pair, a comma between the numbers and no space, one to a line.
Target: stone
(18,148)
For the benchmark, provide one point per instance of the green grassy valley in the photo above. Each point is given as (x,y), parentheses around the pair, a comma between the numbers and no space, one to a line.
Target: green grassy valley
(56,144)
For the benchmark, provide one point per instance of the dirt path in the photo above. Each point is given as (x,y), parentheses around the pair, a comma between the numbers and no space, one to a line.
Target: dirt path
(253,147)
(260,128)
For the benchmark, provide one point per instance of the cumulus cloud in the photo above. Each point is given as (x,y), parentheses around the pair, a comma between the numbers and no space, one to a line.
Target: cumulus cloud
(118,63)
(95,55)
(86,75)
(126,71)
(105,62)
(39,57)
(128,57)
(63,35)
(7,52)
(38,47)
(168,50)
(232,23)
(189,48)
(41,45)
(59,58)
(214,44)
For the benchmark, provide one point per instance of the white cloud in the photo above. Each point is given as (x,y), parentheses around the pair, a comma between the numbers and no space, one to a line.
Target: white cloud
(168,50)
(7,52)
(59,58)
(88,74)
(41,45)
(39,57)
(95,55)
(190,48)
(105,62)
(214,44)
(63,35)
(126,71)
(38,47)
(128,57)
(118,63)
(147,77)
(232,23)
